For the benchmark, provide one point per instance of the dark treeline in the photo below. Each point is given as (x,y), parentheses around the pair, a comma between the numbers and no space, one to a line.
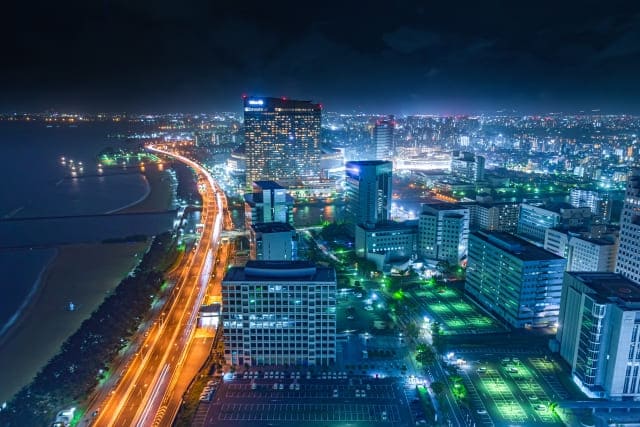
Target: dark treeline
(71,375)
(187,183)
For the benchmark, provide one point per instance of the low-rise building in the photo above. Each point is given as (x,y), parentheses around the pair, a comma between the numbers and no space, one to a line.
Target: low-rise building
(386,242)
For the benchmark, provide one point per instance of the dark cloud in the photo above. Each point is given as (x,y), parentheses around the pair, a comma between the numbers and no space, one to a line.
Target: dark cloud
(406,56)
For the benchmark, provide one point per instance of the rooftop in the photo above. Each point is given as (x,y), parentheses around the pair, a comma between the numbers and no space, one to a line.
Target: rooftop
(266,103)
(285,271)
(516,246)
(272,227)
(443,206)
(390,225)
(611,287)
(267,185)
(367,162)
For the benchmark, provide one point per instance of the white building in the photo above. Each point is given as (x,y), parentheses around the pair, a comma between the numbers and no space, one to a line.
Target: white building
(273,241)
(495,216)
(386,242)
(599,333)
(598,201)
(443,232)
(467,166)
(534,221)
(592,254)
(279,313)
(515,279)
(583,252)
(269,202)
(383,138)
(628,263)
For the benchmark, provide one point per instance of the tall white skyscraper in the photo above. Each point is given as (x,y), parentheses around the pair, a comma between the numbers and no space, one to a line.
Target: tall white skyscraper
(628,262)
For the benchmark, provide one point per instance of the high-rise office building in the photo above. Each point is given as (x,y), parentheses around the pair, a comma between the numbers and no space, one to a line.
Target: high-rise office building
(268,202)
(598,201)
(282,139)
(383,138)
(599,333)
(515,279)
(628,262)
(443,232)
(273,241)
(279,313)
(368,191)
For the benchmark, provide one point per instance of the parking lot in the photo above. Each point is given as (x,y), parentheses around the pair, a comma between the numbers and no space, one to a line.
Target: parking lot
(457,315)
(505,391)
(306,398)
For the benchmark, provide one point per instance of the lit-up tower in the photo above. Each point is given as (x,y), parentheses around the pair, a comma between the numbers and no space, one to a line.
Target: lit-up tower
(627,262)
(282,139)
(383,138)
(368,191)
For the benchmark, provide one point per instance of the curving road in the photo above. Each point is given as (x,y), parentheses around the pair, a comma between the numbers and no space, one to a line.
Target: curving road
(141,394)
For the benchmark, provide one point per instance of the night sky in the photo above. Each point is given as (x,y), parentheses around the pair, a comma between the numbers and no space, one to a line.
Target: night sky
(398,56)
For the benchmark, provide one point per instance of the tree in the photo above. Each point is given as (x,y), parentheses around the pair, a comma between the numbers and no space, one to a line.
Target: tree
(438,388)
(412,330)
(442,267)
(425,354)
(437,337)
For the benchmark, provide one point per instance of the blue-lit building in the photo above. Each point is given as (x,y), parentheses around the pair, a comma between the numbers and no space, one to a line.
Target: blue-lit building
(368,191)
(515,279)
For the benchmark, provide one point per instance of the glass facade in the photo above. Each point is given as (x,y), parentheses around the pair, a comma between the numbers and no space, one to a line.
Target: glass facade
(282,139)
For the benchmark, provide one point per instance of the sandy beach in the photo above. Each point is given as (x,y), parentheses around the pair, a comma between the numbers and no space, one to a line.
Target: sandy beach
(82,274)
(47,322)
(159,196)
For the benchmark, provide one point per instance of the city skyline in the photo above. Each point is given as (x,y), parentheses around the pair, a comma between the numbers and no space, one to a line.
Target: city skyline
(405,59)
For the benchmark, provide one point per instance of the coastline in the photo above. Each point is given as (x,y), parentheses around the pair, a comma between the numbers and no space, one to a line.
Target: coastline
(138,201)
(12,324)
(43,321)
(47,322)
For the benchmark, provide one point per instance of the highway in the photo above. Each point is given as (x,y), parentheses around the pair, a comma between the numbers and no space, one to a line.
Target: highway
(147,382)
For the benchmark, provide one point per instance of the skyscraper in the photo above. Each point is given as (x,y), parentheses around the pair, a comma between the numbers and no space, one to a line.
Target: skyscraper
(627,263)
(368,191)
(383,138)
(282,139)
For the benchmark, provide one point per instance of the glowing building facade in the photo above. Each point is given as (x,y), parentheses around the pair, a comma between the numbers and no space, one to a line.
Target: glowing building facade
(282,139)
